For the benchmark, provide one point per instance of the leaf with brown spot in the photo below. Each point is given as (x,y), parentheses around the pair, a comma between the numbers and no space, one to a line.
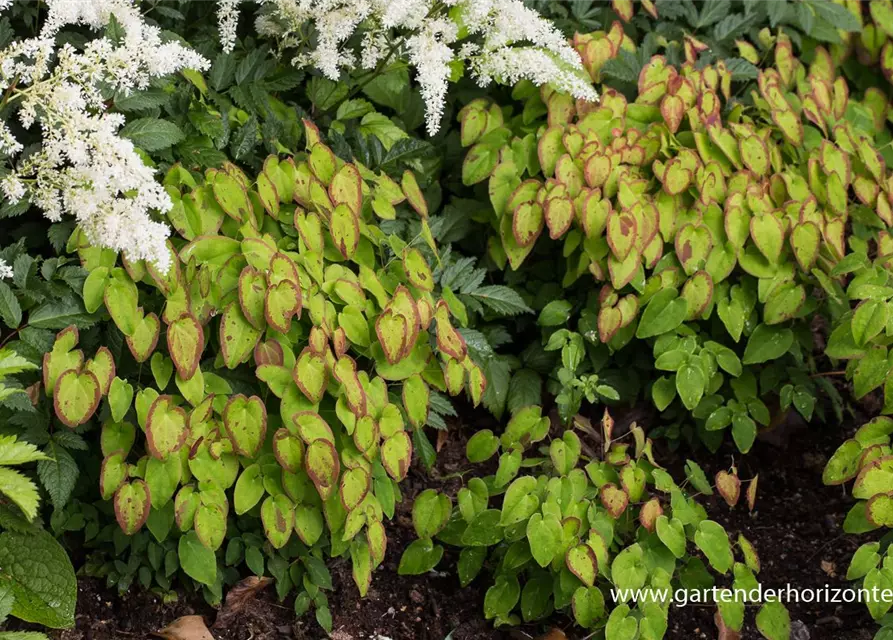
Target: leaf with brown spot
(729,487)
(649,513)
(725,633)
(185,342)
(607,428)
(752,492)
(614,499)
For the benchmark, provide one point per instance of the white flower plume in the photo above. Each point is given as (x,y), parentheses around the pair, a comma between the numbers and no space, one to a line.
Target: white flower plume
(83,168)
(499,40)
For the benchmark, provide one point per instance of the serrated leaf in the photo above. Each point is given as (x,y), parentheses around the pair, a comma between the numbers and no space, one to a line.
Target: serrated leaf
(10,310)
(58,475)
(13,452)
(21,490)
(712,12)
(503,300)
(152,134)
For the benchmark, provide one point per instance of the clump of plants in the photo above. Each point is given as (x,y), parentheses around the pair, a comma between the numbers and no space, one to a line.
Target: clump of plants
(278,371)
(607,534)
(866,460)
(715,233)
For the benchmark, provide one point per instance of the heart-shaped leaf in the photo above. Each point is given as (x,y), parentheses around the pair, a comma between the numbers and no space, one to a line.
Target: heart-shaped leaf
(289,450)
(245,421)
(417,270)
(416,398)
(344,227)
(122,301)
(278,516)
(310,375)
(347,188)
(117,436)
(252,288)
(355,485)
(672,534)
(283,302)
(805,242)
(768,234)
(581,561)
(649,513)
(132,504)
(559,213)
(729,487)
(392,331)
(396,454)
(166,429)
(527,223)
(345,372)
(144,338)
(185,342)
(622,233)
(311,426)
(210,524)
(323,467)
(76,397)
(237,336)
(614,499)
(545,537)
(112,474)
(102,365)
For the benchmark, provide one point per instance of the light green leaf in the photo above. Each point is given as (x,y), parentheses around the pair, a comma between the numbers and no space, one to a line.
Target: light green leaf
(21,490)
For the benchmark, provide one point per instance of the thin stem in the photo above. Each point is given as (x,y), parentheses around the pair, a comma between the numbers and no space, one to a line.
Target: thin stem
(13,334)
(378,68)
(828,373)
(395,46)
(8,93)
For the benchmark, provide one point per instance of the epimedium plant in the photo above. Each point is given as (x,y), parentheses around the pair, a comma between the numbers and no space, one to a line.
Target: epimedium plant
(738,33)
(708,228)
(592,523)
(280,371)
(865,459)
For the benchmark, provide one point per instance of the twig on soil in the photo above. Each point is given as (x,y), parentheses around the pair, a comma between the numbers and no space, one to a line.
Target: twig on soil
(825,546)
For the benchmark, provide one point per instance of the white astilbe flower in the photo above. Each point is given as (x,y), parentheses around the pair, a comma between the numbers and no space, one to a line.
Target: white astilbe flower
(508,66)
(5,269)
(431,54)
(500,40)
(83,168)
(228,21)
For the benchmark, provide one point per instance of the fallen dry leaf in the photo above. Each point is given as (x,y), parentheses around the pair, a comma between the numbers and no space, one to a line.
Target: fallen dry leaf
(239,596)
(724,632)
(442,437)
(186,628)
(34,393)
(553,634)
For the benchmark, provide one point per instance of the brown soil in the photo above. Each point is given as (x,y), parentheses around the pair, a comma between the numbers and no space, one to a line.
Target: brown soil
(796,528)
